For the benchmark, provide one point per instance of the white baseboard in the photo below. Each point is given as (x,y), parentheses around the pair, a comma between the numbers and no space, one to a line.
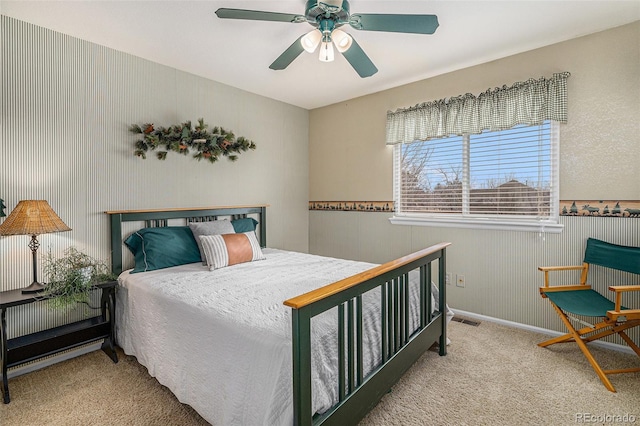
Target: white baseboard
(606,345)
(54,359)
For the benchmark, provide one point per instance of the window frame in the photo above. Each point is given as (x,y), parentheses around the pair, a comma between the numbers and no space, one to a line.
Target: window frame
(548,224)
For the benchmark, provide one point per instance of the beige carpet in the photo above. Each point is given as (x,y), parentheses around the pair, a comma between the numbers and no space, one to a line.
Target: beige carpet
(492,375)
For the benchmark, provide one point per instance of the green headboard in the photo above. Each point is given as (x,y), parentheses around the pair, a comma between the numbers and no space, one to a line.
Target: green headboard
(158,217)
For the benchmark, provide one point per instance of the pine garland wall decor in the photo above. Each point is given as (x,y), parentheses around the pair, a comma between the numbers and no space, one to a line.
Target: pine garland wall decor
(183,138)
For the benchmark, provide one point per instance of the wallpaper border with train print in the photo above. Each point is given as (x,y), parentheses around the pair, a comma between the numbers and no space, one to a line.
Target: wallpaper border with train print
(590,208)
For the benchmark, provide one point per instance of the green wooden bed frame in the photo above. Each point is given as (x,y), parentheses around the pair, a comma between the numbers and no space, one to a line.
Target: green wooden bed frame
(401,347)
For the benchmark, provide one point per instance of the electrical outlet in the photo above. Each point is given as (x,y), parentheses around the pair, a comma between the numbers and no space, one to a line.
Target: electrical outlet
(447,278)
(460,280)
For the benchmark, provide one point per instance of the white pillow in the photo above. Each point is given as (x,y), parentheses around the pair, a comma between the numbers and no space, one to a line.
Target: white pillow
(230,249)
(213,227)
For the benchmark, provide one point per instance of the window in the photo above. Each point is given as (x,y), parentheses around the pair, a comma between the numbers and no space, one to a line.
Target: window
(504,179)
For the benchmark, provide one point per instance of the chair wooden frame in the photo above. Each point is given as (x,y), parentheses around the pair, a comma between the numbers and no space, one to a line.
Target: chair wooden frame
(613,321)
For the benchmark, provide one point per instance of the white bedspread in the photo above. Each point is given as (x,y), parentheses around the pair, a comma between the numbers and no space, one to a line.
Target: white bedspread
(221,340)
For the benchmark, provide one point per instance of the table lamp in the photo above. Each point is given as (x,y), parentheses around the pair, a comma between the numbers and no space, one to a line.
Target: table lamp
(33,217)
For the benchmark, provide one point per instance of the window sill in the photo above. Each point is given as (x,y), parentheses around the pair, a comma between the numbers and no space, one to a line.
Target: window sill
(480,223)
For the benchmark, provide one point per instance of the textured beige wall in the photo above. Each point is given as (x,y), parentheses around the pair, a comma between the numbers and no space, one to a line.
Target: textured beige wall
(599,149)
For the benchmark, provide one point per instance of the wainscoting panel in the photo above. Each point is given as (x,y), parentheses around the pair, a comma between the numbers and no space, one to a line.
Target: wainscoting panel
(500,267)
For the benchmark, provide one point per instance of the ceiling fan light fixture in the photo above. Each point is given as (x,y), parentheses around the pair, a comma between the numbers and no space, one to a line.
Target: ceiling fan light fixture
(327,16)
(326,51)
(342,40)
(311,40)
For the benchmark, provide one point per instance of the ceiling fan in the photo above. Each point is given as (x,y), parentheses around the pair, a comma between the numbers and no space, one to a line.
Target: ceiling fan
(327,17)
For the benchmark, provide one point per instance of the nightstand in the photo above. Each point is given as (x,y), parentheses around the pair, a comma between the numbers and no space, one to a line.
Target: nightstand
(23,349)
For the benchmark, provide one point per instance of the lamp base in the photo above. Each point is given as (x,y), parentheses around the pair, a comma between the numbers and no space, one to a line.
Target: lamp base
(35,287)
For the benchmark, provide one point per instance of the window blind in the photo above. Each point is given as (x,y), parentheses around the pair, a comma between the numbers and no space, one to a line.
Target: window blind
(507,173)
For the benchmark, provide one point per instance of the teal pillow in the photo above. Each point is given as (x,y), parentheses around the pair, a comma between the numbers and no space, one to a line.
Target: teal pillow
(158,248)
(243,225)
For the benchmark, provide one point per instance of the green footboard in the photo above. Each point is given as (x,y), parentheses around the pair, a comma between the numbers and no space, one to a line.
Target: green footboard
(400,346)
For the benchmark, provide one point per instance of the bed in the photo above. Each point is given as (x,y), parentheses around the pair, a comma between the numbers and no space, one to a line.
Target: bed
(283,338)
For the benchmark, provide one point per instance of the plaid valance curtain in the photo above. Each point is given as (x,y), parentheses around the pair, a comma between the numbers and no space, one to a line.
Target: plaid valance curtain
(530,102)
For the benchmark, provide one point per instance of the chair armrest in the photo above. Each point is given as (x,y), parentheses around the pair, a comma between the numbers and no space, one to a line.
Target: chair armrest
(619,289)
(559,268)
(583,276)
(623,288)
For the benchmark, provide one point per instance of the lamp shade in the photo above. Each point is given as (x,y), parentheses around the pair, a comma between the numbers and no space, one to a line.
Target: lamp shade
(32,217)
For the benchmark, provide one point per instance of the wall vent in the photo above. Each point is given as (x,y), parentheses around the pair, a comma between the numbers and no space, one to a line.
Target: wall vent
(466,321)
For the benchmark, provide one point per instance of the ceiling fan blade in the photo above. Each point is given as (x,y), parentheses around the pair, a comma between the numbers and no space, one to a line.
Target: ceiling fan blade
(257,15)
(288,55)
(359,60)
(417,24)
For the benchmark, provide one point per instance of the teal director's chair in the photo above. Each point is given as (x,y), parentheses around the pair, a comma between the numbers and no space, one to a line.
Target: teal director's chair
(581,300)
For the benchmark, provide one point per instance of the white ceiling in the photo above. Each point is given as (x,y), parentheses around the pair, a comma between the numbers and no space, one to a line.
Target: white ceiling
(188,36)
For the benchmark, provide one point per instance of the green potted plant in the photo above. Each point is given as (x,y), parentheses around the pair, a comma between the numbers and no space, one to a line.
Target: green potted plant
(71,277)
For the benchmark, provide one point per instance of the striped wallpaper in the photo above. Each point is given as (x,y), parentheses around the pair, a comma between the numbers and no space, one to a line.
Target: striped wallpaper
(67,105)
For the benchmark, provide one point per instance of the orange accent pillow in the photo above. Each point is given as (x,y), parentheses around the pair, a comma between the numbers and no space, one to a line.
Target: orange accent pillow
(230,249)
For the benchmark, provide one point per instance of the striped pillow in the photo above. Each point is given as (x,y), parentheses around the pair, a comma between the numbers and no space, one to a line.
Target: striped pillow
(230,249)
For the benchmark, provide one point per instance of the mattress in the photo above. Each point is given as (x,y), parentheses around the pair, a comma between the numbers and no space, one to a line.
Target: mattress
(221,340)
